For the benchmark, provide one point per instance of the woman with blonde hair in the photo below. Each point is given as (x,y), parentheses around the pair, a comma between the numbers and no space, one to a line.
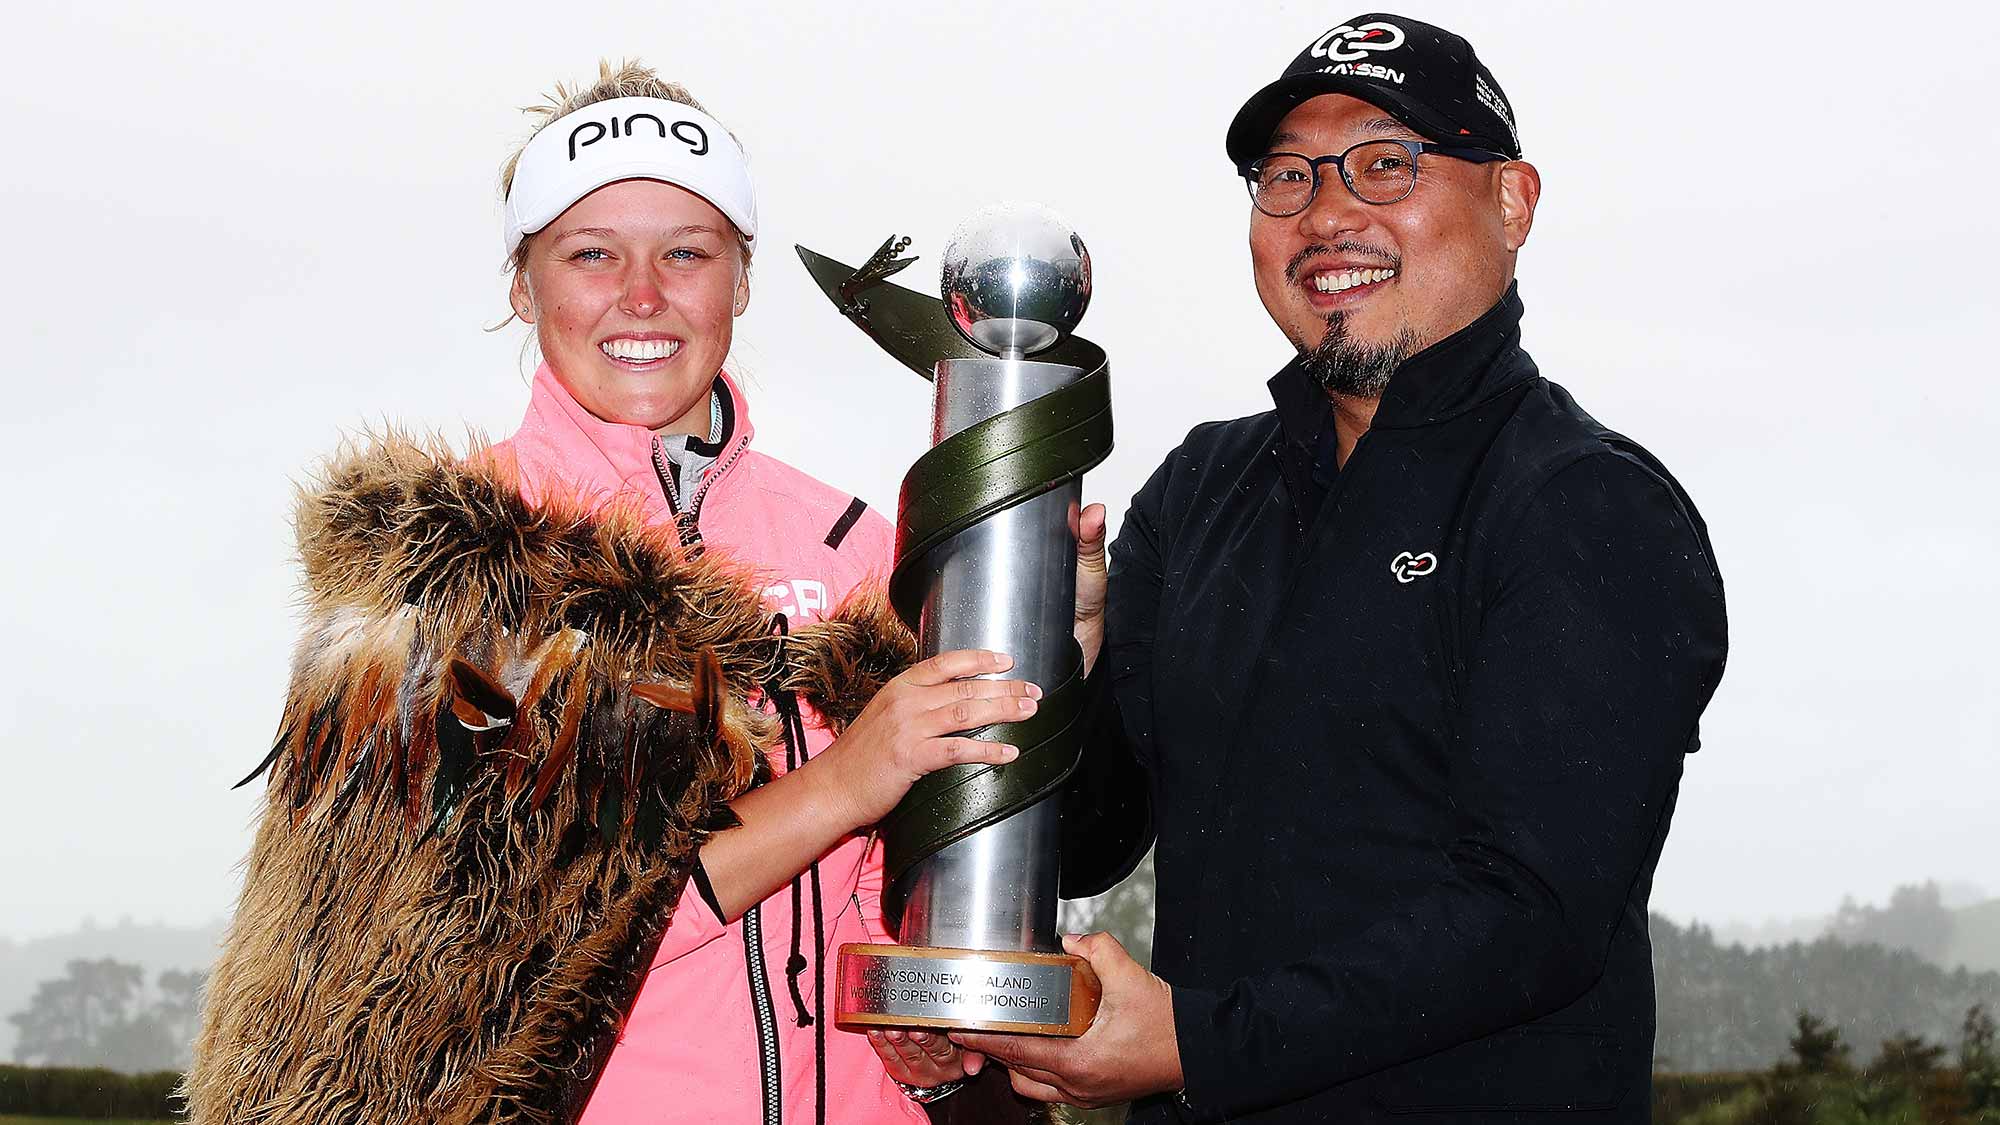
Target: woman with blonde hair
(558,824)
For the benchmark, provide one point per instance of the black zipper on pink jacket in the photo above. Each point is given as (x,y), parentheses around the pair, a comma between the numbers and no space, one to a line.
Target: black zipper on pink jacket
(687,525)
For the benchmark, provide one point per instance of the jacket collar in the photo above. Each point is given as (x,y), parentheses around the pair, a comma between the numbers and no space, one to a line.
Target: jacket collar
(560,440)
(1468,367)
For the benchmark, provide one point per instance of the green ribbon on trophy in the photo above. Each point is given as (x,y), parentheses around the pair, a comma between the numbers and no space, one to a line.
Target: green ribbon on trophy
(990,466)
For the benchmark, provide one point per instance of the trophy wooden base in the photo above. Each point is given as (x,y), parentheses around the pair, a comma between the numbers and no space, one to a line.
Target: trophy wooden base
(964,990)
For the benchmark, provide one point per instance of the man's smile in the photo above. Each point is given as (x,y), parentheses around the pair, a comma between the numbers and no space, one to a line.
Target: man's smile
(1339,284)
(1332,285)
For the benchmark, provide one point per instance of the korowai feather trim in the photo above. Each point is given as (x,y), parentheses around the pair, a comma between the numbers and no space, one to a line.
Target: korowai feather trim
(509,729)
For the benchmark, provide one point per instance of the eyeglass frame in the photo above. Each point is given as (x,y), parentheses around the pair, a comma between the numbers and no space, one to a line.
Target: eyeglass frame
(1416,149)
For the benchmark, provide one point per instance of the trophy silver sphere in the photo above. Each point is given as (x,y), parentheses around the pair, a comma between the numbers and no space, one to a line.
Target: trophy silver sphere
(1016,279)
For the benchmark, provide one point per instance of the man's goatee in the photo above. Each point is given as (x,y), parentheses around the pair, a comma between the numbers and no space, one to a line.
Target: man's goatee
(1344,367)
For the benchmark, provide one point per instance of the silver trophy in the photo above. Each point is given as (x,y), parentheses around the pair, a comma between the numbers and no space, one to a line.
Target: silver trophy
(986,558)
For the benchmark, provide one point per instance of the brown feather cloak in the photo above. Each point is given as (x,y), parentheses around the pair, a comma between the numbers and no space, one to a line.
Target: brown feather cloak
(508,731)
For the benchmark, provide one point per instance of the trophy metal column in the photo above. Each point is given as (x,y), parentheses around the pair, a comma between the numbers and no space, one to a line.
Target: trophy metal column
(986,558)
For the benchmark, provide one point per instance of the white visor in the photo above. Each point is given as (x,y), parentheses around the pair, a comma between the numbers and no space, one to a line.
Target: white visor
(628,139)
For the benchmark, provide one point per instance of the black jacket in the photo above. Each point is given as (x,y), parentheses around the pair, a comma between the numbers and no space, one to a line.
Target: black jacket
(1413,728)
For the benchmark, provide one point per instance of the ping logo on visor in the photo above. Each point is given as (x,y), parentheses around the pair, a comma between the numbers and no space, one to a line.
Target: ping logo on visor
(628,139)
(689,132)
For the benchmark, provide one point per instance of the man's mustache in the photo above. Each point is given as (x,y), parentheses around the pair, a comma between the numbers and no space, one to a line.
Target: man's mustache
(1324,249)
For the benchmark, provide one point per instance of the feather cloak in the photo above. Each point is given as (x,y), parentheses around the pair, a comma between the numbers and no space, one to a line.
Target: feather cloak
(508,731)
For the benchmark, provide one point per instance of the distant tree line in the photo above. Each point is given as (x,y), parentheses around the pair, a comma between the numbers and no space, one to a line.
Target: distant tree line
(1910,1082)
(1916,919)
(1725,1007)
(102,1014)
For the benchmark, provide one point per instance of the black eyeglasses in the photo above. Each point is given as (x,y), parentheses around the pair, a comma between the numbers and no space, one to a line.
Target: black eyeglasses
(1286,183)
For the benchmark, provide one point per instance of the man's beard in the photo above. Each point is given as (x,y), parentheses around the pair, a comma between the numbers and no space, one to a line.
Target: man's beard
(1344,367)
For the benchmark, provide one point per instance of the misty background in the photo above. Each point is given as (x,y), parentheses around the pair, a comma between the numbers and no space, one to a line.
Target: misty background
(240,232)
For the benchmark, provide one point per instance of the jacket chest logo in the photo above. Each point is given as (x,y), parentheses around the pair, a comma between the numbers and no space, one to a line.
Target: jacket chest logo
(1408,567)
(798,599)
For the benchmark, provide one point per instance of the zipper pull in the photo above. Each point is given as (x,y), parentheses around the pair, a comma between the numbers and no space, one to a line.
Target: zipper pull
(690,534)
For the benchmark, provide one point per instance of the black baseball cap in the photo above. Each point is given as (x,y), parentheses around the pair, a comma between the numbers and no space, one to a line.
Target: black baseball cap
(1424,76)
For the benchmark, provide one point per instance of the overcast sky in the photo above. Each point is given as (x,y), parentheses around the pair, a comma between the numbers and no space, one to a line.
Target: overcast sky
(1765,250)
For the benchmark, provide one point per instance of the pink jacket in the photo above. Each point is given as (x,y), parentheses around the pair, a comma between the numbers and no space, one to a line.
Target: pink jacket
(691,1049)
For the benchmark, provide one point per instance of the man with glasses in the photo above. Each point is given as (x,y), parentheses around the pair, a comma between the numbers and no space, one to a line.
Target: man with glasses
(1411,660)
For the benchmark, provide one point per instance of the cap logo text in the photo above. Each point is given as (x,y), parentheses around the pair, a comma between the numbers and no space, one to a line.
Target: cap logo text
(1365,70)
(1491,99)
(689,133)
(1348,43)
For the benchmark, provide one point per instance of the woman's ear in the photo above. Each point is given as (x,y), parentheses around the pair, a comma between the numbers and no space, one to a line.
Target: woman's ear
(742,290)
(523,300)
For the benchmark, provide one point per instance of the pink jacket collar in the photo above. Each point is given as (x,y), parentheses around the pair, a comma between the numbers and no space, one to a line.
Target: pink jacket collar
(563,447)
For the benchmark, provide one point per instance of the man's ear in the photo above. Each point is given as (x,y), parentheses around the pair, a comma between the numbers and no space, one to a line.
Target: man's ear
(1520,190)
(522,300)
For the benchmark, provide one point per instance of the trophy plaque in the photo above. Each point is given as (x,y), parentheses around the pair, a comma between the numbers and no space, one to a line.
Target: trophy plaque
(986,558)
